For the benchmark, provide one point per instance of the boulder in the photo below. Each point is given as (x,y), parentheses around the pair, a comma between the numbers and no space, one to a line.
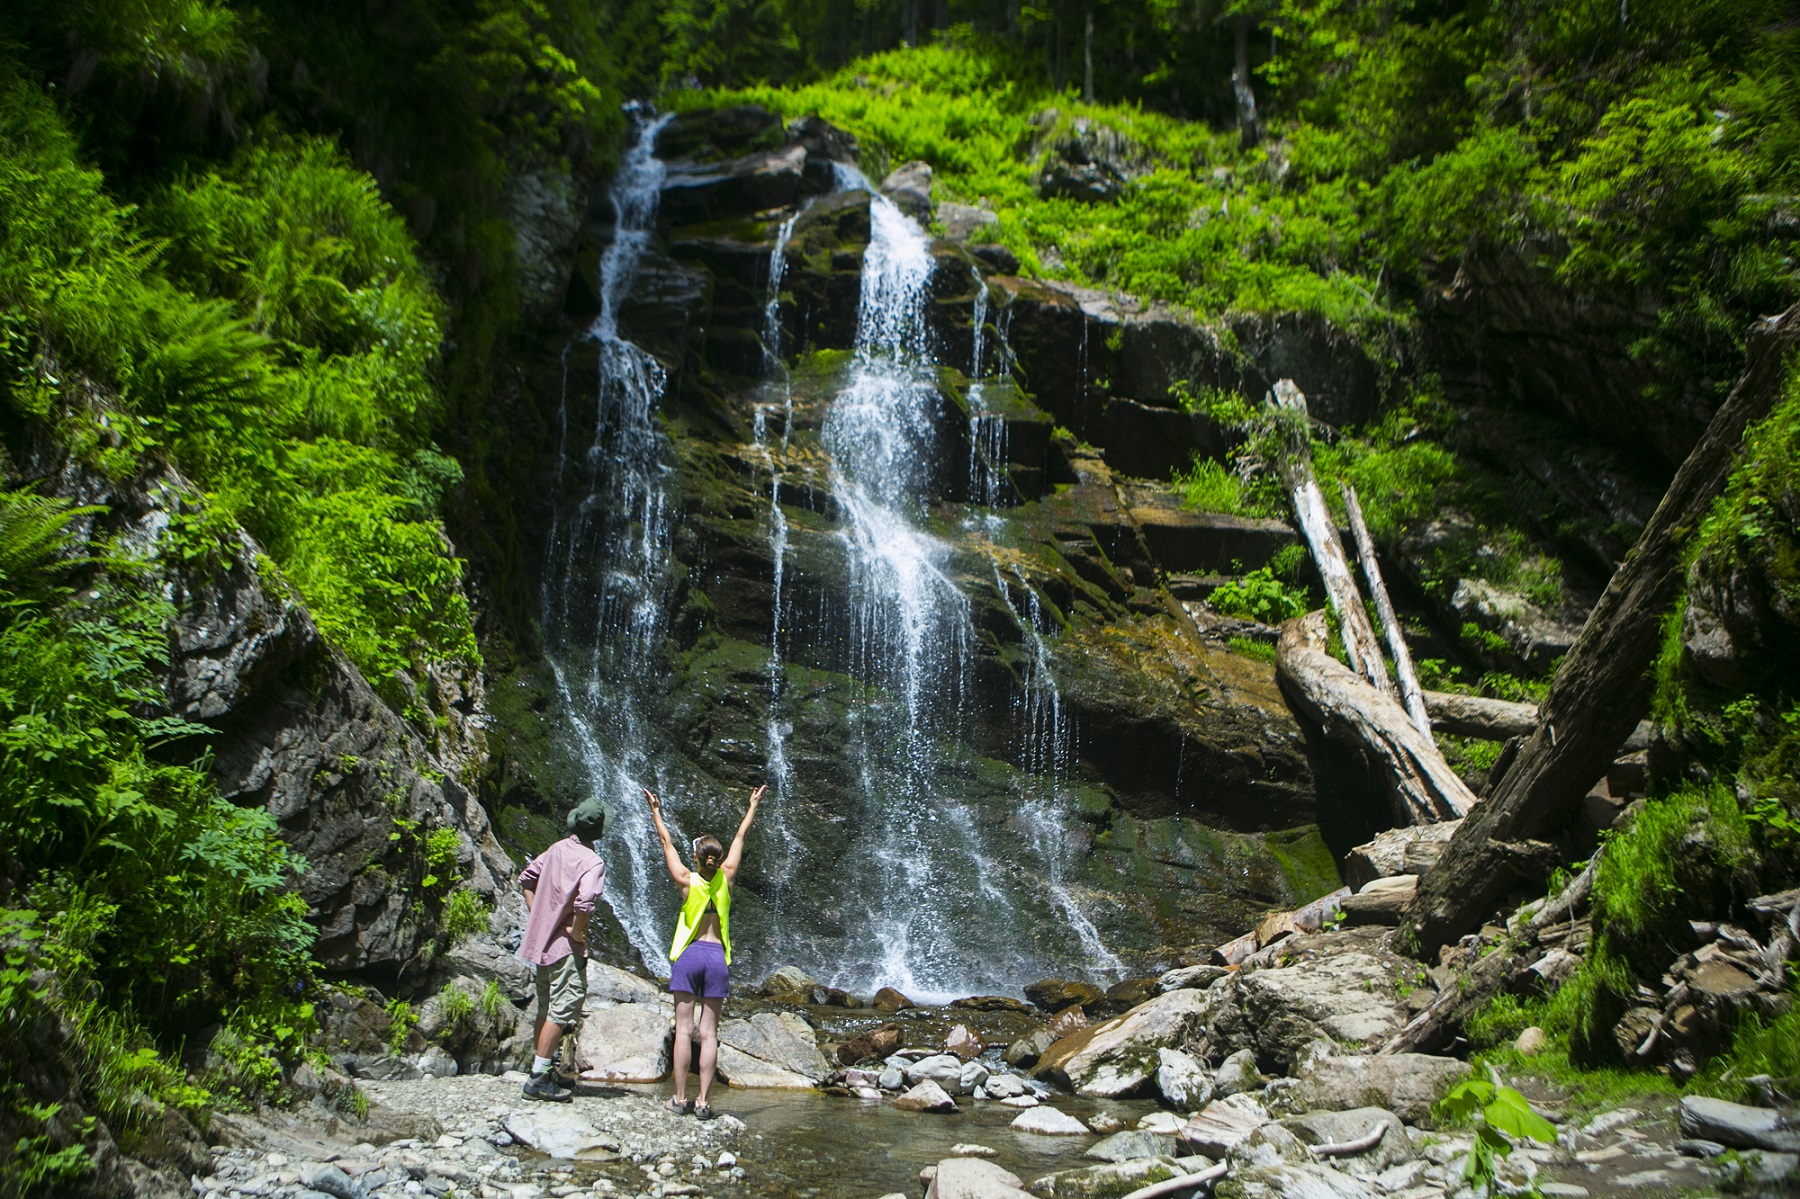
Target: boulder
(1055,994)
(1532,1041)
(1048,1121)
(1029,1048)
(620,986)
(1237,1074)
(1302,1181)
(1191,977)
(770,1050)
(1407,1084)
(963,1042)
(1181,1080)
(826,146)
(1270,1145)
(1003,1086)
(1223,1125)
(973,1075)
(864,1046)
(558,1131)
(1131,992)
(1163,1124)
(945,1069)
(1021,1101)
(891,1079)
(909,187)
(789,984)
(1067,1022)
(1128,1145)
(695,192)
(972,1178)
(1346,996)
(889,1000)
(436,1062)
(963,221)
(992,1003)
(1336,1128)
(1110,1181)
(926,1097)
(1738,1125)
(1119,1056)
(624,1042)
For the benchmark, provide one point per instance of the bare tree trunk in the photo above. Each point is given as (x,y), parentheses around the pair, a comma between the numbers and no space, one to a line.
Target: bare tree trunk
(1321,535)
(1603,685)
(1087,57)
(909,22)
(1420,784)
(1390,624)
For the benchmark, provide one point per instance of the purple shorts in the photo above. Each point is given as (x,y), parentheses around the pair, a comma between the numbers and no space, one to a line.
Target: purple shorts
(701,970)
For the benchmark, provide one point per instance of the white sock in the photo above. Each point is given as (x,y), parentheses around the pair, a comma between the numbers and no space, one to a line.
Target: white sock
(540,1064)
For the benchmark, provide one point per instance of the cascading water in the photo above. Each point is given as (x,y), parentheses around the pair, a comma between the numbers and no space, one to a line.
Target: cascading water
(928,890)
(606,580)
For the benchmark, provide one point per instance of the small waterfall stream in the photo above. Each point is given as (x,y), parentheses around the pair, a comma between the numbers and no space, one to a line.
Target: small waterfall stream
(604,598)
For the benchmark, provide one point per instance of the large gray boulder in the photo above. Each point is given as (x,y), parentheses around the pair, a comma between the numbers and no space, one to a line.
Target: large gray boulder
(1130,1144)
(1337,1128)
(770,1050)
(1407,1084)
(973,1178)
(624,1042)
(1110,1181)
(1291,1181)
(1339,988)
(1738,1125)
(559,1132)
(1118,1057)
(1223,1125)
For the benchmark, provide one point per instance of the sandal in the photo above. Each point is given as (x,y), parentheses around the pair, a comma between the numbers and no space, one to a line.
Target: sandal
(679,1107)
(704,1112)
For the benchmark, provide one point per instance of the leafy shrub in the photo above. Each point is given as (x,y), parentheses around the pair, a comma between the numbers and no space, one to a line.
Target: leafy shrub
(1259,596)
(464,915)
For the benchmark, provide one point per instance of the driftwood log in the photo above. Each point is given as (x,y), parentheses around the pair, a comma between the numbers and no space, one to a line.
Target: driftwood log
(1603,686)
(1475,716)
(1404,674)
(1321,534)
(1420,784)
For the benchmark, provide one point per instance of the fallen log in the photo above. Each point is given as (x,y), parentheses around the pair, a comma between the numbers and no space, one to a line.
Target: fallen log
(1603,686)
(1420,784)
(1321,535)
(1182,1183)
(1476,716)
(1404,674)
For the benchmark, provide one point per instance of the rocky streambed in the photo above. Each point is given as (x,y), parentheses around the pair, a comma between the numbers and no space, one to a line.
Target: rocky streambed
(1267,1076)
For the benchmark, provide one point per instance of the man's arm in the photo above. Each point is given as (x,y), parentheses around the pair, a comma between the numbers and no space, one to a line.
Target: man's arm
(587,891)
(736,855)
(528,878)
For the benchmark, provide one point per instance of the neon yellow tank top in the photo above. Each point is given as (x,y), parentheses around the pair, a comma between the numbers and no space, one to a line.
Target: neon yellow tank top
(701,892)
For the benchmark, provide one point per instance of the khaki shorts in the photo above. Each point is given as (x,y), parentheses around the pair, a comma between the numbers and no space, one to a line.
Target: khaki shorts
(562,990)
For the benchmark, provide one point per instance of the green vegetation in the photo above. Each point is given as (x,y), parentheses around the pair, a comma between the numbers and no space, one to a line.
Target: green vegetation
(1503,1113)
(1260,596)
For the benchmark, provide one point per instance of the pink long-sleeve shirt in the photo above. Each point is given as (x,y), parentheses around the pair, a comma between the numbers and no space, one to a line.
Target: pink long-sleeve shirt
(566,878)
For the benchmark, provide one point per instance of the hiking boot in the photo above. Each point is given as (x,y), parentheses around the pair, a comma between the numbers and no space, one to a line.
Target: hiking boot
(544,1086)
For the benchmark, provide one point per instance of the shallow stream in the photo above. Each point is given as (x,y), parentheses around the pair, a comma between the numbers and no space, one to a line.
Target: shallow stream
(804,1143)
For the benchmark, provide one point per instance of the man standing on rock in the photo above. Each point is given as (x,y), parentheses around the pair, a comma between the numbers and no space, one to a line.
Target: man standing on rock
(561,886)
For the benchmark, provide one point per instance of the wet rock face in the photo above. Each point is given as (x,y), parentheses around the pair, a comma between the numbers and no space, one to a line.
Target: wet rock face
(302,734)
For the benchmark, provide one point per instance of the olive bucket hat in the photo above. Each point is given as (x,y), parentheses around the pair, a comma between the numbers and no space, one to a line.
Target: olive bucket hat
(594,813)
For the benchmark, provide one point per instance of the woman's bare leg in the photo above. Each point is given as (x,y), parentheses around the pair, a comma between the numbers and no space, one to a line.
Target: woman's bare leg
(684,1029)
(709,1042)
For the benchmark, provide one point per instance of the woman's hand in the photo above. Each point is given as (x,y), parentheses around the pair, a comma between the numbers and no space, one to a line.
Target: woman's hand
(756,795)
(655,803)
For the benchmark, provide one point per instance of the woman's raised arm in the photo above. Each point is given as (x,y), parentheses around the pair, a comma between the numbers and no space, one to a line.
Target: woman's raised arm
(671,859)
(736,856)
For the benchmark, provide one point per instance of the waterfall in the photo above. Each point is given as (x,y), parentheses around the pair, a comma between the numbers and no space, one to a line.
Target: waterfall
(931,885)
(606,577)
